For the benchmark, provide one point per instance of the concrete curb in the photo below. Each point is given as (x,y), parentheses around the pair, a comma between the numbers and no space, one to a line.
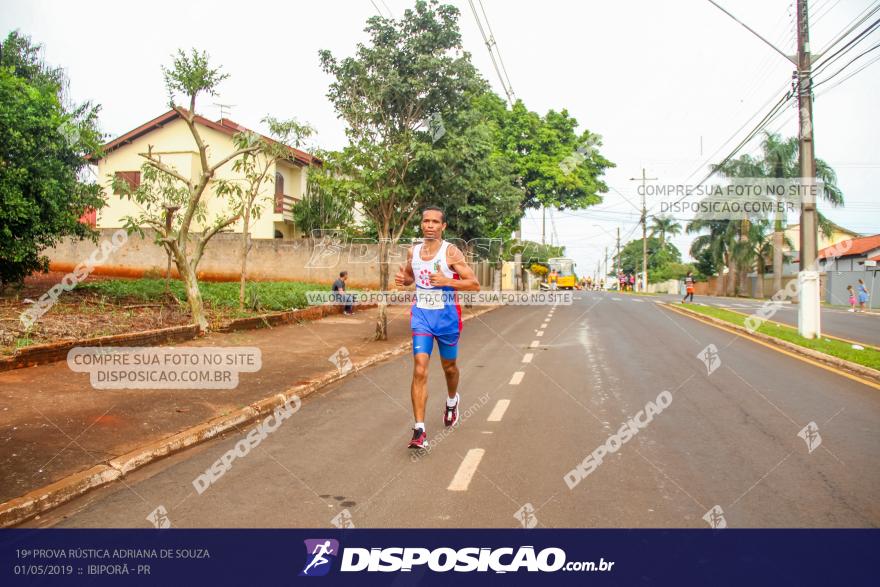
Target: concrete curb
(862,371)
(20,509)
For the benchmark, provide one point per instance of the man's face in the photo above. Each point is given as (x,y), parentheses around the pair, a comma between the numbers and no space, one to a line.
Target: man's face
(432,224)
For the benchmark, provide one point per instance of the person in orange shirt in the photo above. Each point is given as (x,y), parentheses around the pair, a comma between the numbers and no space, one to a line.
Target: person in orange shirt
(688,287)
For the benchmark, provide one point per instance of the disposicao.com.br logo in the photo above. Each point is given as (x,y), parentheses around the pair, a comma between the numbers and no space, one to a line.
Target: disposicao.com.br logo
(441,560)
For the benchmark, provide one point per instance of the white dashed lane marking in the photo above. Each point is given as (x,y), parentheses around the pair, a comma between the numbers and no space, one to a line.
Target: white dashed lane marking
(498,410)
(527,358)
(466,470)
(540,333)
(517,378)
(534,344)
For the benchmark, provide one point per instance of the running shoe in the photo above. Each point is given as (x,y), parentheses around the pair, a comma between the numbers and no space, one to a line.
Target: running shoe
(419,439)
(450,413)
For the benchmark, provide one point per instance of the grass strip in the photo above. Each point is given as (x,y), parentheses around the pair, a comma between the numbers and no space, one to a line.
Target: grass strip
(869,356)
(272,295)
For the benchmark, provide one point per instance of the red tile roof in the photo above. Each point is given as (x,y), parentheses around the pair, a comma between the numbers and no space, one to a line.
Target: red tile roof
(224,125)
(859,246)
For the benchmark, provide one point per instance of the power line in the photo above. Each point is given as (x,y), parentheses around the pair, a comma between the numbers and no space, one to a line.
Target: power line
(768,118)
(824,14)
(858,20)
(848,47)
(736,132)
(864,66)
(489,45)
(497,49)
(862,54)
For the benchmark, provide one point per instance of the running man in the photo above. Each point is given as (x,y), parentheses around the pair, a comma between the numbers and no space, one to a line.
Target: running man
(438,269)
(688,287)
(319,559)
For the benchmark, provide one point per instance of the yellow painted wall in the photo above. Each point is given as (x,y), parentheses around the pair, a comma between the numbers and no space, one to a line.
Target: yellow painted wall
(174,144)
(794,234)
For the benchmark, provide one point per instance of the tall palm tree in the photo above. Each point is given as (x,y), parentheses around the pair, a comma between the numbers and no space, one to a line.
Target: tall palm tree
(663,226)
(719,242)
(753,252)
(779,159)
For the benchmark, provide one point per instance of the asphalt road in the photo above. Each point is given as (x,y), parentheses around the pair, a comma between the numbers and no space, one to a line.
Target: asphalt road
(835,321)
(538,399)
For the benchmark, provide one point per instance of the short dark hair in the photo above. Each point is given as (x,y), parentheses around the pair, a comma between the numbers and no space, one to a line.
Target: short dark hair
(436,209)
(343,273)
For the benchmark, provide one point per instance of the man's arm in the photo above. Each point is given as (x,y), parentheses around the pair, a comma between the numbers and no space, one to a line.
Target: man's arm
(405,275)
(467,280)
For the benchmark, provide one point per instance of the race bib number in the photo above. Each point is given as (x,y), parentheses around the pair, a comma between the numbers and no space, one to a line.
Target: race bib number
(430,300)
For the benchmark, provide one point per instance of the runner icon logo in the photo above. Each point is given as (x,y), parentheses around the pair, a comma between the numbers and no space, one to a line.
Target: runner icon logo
(526,516)
(710,358)
(159,517)
(343,520)
(320,554)
(342,360)
(715,518)
(810,434)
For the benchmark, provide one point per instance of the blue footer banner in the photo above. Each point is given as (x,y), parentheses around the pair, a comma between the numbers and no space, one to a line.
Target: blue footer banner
(170,557)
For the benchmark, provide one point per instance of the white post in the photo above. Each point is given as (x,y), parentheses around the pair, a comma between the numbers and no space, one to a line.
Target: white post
(809,304)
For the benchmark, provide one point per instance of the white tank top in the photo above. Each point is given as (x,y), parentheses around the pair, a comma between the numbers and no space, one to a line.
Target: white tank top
(422,269)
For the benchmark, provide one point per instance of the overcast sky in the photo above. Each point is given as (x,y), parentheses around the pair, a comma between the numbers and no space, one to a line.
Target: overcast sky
(666,84)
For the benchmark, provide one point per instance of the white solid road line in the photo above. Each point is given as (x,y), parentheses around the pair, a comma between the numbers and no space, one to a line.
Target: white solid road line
(517,378)
(498,410)
(466,470)
(527,358)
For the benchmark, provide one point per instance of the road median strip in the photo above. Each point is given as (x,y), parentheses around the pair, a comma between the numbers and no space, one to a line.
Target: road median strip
(731,321)
(43,499)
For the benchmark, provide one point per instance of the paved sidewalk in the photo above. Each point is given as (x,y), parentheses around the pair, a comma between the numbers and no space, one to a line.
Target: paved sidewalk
(53,423)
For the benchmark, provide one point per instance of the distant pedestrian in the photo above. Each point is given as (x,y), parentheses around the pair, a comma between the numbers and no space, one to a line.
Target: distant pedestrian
(688,287)
(863,295)
(852,298)
(553,279)
(341,296)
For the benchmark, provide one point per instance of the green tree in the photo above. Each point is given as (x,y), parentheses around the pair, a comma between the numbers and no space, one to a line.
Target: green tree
(555,165)
(412,71)
(326,204)
(716,245)
(472,178)
(658,255)
(779,159)
(664,226)
(256,168)
(705,265)
(44,145)
(170,202)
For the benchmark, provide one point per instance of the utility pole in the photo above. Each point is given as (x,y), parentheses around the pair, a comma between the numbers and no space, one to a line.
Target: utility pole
(618,253)
(543,224)
(808,277)
(809,317)
(606,263)
(644,179)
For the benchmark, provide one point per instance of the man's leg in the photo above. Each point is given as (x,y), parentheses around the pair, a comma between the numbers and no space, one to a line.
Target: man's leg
(419,388)
(448,345)
(450,369)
